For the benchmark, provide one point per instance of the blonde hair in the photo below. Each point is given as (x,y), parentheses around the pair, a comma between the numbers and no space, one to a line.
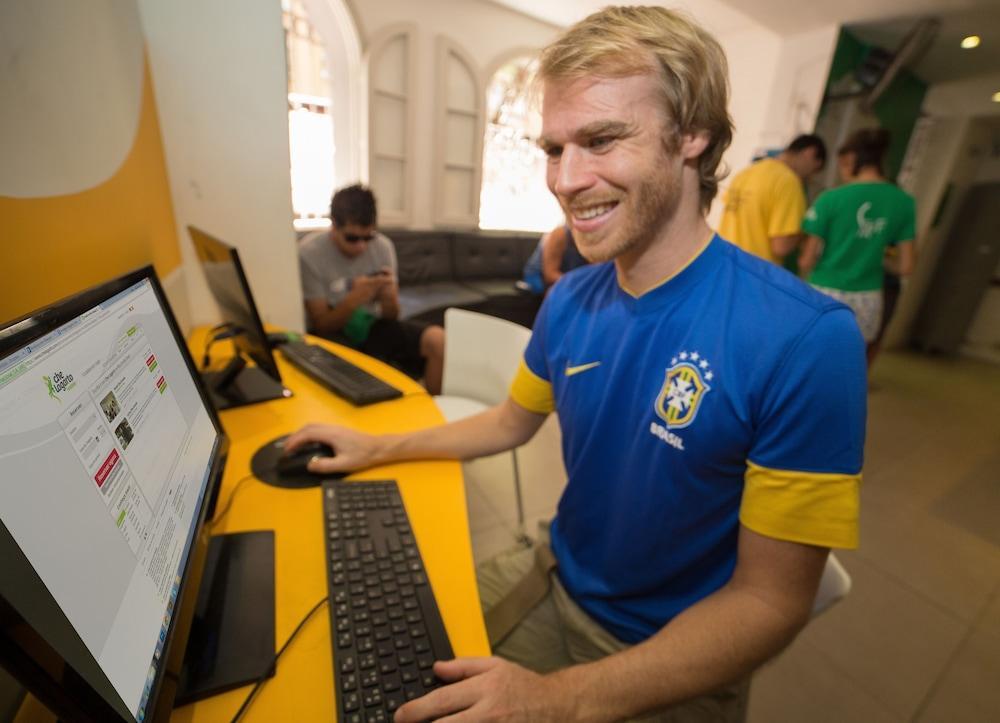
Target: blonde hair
(690,64)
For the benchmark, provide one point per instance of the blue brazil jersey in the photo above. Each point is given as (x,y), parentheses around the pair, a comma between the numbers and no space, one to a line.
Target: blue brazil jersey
(729,393)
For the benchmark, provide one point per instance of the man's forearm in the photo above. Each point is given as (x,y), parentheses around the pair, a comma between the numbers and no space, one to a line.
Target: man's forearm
(781,246)
(333,319)
(809,255)
(720,640)
(390,304)
(496,430)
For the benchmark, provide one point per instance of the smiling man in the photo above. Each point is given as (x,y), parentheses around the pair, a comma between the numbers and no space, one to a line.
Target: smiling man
(712,410)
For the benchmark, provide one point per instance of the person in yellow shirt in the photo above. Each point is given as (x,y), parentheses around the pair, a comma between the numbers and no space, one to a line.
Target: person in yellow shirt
(766,202)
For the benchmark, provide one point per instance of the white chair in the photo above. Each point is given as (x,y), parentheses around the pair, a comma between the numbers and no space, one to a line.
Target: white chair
(481,357)
(833,585)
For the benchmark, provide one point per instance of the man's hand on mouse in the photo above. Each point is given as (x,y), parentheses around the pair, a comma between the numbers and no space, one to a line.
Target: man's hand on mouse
(354,450)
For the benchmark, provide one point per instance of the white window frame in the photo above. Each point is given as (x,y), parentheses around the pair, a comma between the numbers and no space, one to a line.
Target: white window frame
(451,56)
(383,40)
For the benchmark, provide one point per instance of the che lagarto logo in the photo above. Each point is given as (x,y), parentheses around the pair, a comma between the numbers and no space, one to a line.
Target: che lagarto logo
(58,383)
(685,384)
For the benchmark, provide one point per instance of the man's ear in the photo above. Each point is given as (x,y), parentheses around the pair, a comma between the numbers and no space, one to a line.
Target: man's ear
(693,144)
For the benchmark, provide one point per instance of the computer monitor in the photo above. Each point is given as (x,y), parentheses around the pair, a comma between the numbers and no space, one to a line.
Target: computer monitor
(228,284)
(110,459)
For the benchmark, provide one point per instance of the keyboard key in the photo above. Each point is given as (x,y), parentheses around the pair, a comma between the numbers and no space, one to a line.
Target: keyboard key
(393,701)
(351,702)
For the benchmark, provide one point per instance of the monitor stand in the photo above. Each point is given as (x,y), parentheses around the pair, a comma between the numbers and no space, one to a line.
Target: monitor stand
(231,643)
(238,385)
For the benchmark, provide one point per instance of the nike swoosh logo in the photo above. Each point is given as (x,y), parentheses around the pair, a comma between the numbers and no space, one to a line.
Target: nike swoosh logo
(570,371)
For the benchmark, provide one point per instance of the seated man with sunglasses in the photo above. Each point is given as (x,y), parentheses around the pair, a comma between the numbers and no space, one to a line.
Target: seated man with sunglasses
(351,291)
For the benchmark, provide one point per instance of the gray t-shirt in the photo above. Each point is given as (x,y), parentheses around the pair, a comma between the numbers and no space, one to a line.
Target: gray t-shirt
(328,274)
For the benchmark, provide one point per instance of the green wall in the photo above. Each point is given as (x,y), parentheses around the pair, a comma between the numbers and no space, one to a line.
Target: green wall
(898,108)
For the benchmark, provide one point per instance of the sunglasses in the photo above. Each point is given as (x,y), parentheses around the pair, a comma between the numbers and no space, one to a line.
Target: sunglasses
(353,238)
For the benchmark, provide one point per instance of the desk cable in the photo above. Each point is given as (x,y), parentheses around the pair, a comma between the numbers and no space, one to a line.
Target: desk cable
(263,678)
(217,518)
(218,333)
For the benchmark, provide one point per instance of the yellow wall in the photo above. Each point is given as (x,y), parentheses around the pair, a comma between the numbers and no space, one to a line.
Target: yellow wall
(53,247)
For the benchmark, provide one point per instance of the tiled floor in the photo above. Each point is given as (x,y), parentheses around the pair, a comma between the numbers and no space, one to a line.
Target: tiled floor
(918,638)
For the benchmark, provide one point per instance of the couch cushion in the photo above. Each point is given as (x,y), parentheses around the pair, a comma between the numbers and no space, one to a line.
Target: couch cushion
(415,300)
(481,256)
(424,256)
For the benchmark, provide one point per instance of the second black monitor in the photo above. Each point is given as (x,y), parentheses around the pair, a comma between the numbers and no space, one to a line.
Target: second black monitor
(235,385)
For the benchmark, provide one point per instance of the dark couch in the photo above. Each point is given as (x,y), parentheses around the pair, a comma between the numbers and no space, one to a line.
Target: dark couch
(471,269)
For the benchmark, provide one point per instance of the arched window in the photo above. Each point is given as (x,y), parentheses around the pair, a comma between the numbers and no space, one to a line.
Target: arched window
(514,195)
(391,81)
(310,118)
(460,136)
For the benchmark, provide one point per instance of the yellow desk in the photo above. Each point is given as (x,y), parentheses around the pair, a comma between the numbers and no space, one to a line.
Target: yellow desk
(303,688)
(434,495)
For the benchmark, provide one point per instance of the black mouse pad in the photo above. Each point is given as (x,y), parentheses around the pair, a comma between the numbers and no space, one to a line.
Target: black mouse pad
(265,462)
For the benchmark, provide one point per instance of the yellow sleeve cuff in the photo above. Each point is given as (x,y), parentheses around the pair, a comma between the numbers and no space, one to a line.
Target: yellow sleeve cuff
(531,391)
(808,507)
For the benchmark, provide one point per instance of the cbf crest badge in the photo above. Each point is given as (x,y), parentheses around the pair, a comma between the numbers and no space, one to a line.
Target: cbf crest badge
(685,385)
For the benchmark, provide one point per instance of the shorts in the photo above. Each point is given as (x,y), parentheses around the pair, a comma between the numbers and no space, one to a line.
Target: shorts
(556,633)
(866,305)
(398,343)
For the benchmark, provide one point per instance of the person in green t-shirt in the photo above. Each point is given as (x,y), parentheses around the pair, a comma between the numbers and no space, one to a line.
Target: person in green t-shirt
(850,227)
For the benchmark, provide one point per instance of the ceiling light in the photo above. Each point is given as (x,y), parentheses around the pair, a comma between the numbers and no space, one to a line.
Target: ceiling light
(970,41)
(996,97)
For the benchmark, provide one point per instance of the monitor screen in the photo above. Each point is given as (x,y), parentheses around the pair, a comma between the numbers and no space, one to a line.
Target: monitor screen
(108,455)
(228,284)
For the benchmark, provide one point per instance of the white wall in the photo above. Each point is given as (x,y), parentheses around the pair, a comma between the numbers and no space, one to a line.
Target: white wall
(219,72)
(753,53)
(797,87)
(970,97)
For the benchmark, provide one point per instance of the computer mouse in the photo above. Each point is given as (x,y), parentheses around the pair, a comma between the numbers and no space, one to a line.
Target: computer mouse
(296,463)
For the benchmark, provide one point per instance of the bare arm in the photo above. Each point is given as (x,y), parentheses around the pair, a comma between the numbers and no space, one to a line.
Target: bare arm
(388,296)
(810,254)
(717,641)
(781,246)
(553,250)
(325,319)
(907,257)
(498,429)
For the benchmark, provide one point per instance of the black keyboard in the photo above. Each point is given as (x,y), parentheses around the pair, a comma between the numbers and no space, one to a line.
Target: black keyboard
(343,378)
(385,624)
